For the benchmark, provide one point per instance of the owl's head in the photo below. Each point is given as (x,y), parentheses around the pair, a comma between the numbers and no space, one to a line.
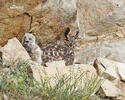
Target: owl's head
(70,40)
(28,40)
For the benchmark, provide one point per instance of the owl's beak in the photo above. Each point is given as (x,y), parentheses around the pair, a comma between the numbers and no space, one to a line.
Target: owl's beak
(26,42)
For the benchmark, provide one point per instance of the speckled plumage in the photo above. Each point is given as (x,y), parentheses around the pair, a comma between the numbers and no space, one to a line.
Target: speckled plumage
(60,49)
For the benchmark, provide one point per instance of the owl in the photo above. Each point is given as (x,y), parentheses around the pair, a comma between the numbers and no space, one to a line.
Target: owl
(60,49)
(28,41)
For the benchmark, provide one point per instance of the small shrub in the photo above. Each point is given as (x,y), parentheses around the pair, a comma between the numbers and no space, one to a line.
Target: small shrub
(17,85)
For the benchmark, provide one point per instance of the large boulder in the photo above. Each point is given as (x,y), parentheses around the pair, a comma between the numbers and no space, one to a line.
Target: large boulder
(110,69)
(12,51)
(50,71)
(106,68)
(88,70)
(58,68)
(114,74)
(55,67)
(109,90)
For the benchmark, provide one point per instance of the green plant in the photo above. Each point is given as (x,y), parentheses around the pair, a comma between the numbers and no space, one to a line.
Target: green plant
(71,86)
(17,84)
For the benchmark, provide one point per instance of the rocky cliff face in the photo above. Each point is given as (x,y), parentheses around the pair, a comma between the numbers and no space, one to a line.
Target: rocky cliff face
(99,22)
(47,19)
(100,17)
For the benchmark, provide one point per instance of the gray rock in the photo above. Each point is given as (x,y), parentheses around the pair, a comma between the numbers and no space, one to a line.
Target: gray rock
(109,90)
(111,50)
(58,68)
(107,68)
(13,50)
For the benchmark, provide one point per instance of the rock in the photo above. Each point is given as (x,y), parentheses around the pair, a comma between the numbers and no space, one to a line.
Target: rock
(35,71)
(106,68)
(121,86)
(47,19)
(110,69)
(47,73)
(58,68)
(52,69)
(83,68)
(121,71)
(100,18)
(100,22)
(13,50)
(13,27)
(109,90)
(113,72)
(113,50)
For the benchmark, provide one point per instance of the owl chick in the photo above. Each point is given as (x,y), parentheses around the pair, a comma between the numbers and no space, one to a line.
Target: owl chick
(28,41)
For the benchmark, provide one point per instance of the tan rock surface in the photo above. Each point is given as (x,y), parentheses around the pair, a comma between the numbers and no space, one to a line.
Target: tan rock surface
(121,71)
(100,21)
(58,68)
(121,86)
(97,17)
(89,70)
(110,69)
(52,69)
(106,68)
(109,90)
(113,50)
(47,19)
(13,50)
(113,71)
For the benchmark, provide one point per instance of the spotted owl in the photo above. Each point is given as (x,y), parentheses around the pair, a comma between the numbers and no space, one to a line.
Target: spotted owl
(60,49)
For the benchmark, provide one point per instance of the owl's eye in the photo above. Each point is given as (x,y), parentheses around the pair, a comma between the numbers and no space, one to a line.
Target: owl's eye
(24,37)
(30,38)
